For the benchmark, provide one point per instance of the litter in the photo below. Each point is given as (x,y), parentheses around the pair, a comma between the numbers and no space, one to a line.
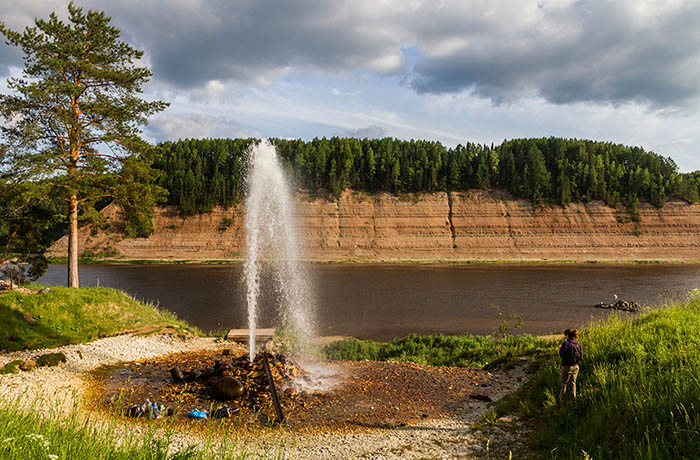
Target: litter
(148,409)
(197,414)
(225,412)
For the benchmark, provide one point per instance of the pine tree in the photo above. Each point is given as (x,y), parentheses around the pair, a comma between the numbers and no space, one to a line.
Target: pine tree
(75,118)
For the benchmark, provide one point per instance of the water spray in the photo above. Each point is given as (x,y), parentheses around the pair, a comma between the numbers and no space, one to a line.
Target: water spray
(271,235)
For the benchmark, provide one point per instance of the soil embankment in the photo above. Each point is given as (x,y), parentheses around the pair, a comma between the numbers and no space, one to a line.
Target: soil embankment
(486,225)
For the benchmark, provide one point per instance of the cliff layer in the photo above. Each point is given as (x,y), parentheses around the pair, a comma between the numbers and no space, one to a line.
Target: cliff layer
(436,226)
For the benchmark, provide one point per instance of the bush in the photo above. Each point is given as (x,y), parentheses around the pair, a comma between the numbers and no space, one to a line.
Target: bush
(437,350)
(50,359)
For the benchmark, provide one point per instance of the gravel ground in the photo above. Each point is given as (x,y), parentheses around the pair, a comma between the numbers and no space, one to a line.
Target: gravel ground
(452,437)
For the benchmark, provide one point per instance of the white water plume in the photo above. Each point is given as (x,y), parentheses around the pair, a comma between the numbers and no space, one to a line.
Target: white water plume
(271,235)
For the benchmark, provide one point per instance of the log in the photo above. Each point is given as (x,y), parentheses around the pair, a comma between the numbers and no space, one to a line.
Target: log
(242,335)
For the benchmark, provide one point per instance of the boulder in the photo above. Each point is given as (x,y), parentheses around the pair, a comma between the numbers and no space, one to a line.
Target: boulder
(177,375)
(227,388)
(28,365)
(193,375)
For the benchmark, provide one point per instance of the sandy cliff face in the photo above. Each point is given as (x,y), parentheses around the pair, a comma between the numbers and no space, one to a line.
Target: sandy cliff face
(470,225)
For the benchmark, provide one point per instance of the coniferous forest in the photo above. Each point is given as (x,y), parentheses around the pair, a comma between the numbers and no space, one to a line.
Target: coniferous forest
(201,174)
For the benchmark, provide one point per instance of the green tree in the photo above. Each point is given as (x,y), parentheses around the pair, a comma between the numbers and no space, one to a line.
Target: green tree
(27,214)
(74,118)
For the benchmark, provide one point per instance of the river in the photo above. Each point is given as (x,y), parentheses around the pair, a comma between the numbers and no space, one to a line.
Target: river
(386,301)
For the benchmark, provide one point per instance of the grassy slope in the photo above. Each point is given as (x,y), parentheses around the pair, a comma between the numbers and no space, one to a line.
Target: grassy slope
(65,315)
(639,391)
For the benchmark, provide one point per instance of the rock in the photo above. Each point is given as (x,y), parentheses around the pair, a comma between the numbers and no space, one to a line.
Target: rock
(481,397)
(177,375)
(227,388)
(28,365)
(51,359)
(44,291)
(207,373)
(193,375)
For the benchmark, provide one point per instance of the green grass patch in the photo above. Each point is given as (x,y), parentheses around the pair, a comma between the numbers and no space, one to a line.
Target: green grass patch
(639,390)
(63,315)
(438,350)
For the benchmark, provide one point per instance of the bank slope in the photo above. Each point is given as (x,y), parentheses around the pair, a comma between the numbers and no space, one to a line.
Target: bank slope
(477,225)
(639,388)
(58,316)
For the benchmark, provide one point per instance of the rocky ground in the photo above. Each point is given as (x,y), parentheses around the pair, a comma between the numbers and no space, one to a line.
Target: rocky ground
(374,410)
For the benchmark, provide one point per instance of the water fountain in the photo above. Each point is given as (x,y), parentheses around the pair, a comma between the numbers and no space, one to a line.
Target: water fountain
(271,239)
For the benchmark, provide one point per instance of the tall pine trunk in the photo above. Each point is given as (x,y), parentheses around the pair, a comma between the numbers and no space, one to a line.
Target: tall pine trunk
(73,243)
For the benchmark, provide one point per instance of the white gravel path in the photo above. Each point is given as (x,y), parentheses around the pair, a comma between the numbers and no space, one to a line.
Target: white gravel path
(445,438)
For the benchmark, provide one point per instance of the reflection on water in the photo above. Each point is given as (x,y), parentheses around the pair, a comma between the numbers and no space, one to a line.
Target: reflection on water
(386,301)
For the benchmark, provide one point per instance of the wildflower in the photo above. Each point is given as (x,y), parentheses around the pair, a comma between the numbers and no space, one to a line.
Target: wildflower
(39,438)
(7,440)
(53,457)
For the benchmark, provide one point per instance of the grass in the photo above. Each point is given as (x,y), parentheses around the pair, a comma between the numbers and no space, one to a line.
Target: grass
(639,391)
(64,315)
(438,350)
(34,433)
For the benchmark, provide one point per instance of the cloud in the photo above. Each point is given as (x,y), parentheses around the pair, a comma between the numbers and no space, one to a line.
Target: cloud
(593,51)
(370,132)
(211,90)
(253,40)
(192,126)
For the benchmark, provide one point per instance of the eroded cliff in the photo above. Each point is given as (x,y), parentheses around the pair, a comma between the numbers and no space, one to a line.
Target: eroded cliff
(437,226)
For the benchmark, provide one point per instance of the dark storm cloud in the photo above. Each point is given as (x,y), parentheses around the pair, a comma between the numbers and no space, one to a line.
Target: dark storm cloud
(605,52)
(562,51)
(190,43)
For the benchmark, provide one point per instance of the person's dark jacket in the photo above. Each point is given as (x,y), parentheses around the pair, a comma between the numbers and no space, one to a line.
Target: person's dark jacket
(565,355)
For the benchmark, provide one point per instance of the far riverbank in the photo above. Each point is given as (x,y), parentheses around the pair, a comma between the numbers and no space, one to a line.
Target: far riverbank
(621,261)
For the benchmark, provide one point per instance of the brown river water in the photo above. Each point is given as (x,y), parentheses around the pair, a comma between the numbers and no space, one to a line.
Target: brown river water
(382,302)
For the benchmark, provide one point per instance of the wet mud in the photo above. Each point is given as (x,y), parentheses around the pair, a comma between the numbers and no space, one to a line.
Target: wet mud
(325,395)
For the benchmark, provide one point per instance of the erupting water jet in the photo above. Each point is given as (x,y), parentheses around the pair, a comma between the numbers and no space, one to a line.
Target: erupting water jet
(271,235)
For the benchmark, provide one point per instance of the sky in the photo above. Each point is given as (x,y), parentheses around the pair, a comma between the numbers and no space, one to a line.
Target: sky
(623,71)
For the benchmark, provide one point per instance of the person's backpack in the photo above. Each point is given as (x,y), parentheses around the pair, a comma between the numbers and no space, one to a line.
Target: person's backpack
(572,354)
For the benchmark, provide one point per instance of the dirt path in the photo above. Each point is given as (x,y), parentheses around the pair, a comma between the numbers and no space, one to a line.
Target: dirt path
(435,422)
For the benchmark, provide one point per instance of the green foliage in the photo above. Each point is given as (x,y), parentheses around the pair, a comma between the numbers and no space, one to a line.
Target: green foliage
(437,350)
(201,174)
(27,215)
(50,359)
(64,315)
(639,388)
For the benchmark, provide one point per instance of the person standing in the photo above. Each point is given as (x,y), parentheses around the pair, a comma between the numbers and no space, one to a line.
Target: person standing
(571,354)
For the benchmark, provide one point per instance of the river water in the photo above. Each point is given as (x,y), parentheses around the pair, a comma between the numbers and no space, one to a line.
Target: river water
(386,301)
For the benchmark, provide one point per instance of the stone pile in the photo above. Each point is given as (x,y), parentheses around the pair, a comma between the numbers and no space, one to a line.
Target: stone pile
(240,381)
